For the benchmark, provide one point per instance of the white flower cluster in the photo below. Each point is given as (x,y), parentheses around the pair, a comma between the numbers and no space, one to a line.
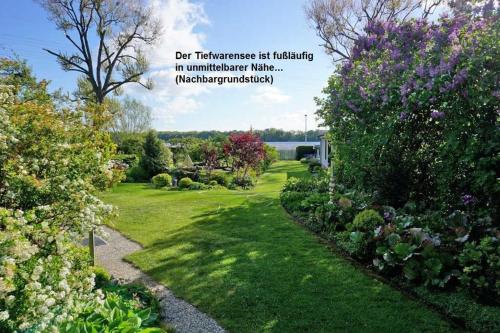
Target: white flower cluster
(46,205)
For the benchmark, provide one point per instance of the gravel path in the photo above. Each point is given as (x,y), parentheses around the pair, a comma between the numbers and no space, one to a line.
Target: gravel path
(184,317)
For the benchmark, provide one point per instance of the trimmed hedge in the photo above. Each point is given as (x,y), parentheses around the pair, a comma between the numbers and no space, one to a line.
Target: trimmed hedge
(302,151)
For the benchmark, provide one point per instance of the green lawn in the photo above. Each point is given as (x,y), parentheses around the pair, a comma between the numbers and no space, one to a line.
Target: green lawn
(237,256)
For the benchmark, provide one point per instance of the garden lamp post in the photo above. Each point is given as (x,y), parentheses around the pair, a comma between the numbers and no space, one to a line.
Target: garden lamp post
(92,247)
(305,128)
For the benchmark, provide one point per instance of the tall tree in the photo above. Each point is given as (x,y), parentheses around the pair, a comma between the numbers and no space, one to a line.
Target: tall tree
(123,28)
(131,117)
(340,22)
(157,157)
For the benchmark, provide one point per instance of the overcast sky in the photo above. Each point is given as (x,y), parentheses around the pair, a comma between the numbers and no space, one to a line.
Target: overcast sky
(215,25)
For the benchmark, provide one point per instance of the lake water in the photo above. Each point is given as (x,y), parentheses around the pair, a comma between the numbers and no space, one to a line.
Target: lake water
(292,144)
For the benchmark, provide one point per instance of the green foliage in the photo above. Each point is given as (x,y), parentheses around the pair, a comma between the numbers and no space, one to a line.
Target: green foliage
(213,183)
(367,220)
(307,184)
(302,151)
(136,174)
(426,130)
(413,252)
(129,143)
(313,201)
(355,243)
(157,158)
(183,160)
(185,182)
(137,294)
(193,173)
(122,308)
(245,182)
(187,146)
(292,200)
(314,165)
(51,168)
(458,306)
(102,277)
(16,74)
(162,180)
(115,315)
(221,177)
(271,155)
(398,248)
(132,146)
(266,135)
(128,159)
(198,186)
(480,264)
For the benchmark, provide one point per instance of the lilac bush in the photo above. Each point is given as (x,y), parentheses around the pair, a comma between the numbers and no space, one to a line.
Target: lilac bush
(414,122)
(415,109)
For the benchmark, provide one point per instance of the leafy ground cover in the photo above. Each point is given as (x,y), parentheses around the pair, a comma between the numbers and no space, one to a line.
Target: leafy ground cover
(238,256)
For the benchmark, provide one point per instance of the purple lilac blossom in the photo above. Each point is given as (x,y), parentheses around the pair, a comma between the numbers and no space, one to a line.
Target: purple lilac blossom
(460,78)
(395,54)
(433,71)
(385,98)
(420,70)
(352,106)
(467,199)
(363,93)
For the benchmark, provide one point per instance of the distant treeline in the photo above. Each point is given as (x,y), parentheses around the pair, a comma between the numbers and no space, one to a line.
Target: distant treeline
(267,135)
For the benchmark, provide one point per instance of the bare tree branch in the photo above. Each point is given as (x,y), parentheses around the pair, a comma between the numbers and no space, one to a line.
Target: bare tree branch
(123,29)
(338,23)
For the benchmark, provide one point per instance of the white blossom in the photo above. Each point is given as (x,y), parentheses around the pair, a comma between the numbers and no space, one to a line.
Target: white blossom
(4,315)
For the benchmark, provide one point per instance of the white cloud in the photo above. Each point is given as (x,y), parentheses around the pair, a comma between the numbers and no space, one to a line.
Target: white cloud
(179,18)
(168,99)
(268,95)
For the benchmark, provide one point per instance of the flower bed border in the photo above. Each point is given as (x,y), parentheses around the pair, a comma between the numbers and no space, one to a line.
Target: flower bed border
(455,321)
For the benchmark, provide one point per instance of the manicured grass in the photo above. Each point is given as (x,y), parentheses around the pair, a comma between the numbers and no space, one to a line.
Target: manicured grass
(237,256)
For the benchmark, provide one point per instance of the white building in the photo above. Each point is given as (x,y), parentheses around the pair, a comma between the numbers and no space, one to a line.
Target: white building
(323,151)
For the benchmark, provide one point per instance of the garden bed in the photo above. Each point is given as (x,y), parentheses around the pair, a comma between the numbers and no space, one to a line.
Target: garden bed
(456,307)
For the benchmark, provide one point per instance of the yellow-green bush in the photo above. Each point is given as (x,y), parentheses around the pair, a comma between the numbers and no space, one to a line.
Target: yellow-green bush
(367,220)
(162,180)
(185,182)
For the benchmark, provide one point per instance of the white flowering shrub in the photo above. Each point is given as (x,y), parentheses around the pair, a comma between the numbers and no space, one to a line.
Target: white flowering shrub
(49,162)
